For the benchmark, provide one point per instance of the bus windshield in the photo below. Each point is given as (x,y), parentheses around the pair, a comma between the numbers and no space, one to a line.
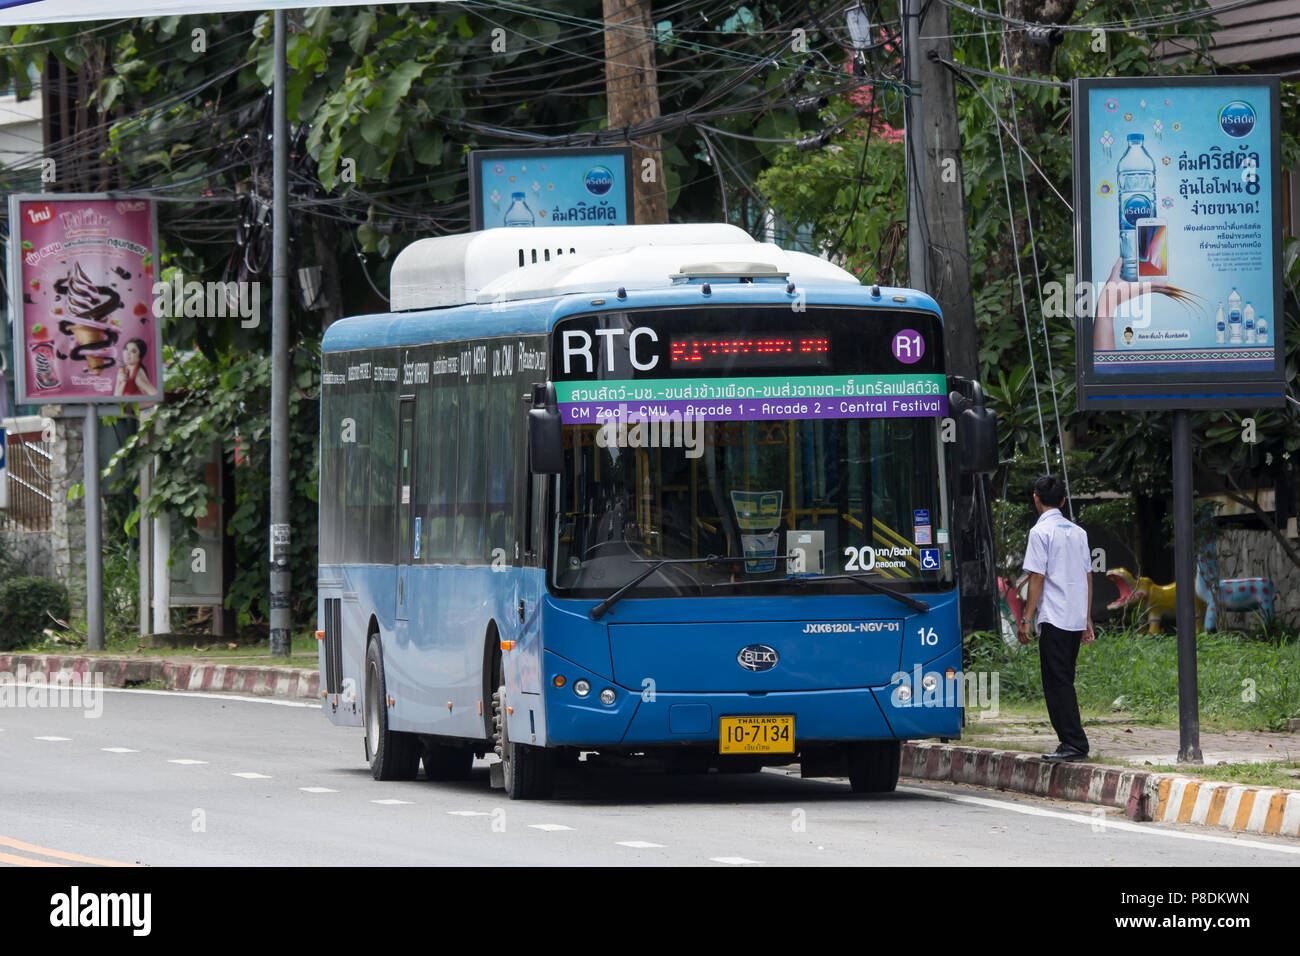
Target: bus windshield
(796,457)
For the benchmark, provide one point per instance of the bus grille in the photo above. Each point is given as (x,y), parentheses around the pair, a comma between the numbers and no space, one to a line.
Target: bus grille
(333,645)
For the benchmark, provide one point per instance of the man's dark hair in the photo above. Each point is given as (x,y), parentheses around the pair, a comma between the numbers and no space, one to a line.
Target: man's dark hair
(1050,491)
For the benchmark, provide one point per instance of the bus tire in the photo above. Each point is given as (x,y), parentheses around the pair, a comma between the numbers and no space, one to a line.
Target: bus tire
(528,771)
(443,762)
(393,754)
(874,765)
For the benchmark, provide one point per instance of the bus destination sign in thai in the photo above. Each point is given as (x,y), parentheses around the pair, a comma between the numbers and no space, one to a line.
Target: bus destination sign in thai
(550,187)
(1178,291)
(754,399)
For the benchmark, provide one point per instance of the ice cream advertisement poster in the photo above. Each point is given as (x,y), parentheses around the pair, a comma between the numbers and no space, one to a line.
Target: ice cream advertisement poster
(82,273)
(1177,201)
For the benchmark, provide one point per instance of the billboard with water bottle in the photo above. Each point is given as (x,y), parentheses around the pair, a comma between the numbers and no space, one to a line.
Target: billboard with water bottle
(1178,242)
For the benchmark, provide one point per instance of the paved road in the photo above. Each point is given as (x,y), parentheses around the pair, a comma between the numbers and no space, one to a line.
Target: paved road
(182,779)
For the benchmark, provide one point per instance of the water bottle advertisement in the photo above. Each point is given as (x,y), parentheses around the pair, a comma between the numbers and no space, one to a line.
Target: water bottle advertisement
(1179,239)
(550,187)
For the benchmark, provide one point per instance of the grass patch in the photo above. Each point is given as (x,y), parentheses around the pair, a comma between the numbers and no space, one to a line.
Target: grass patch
(1253,774)
(1244,683)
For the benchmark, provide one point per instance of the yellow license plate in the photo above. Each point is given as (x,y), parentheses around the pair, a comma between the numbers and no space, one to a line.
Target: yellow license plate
(756,735)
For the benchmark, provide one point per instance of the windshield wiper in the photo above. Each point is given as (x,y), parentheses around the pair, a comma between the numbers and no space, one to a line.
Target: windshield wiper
(600,609)
(915,604)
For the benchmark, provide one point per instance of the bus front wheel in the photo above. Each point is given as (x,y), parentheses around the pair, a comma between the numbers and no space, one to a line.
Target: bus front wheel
(874,765)
(393,755)
(528,771)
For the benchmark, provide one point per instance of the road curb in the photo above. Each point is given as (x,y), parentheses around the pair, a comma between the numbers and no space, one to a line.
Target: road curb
(1139,794)
(293,682)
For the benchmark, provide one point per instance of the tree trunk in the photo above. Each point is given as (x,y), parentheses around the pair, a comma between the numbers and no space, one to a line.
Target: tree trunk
(632,94)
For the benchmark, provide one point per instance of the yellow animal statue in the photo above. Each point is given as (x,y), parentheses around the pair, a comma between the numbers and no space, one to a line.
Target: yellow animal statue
(1156,599)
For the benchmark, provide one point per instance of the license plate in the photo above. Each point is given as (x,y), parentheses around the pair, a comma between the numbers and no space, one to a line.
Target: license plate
(756,735)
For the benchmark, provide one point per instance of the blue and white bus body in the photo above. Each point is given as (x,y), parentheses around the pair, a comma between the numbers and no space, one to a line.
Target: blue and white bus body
(854,666)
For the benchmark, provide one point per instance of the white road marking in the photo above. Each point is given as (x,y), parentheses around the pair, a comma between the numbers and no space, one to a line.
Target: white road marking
(1106,823)
(549,827)
(390,802)
(733,860)
(279,702)
(51,738)
(639,844)
(468,813)
(186,762)
(250,775)
(119,750)
(317,790)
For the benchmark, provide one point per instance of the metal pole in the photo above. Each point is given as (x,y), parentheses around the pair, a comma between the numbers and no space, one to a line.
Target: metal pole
(94,533)
(146,545)
(280,576)
(1189,720)
(914,156)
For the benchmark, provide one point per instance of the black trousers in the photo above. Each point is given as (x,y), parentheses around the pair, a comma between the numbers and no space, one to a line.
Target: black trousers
(1058,652)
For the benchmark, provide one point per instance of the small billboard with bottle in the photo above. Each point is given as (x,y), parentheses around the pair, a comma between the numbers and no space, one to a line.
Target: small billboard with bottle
(1177,293)
(587,186)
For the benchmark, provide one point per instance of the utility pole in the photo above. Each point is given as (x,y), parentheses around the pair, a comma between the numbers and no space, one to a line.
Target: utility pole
(938,254)
(632,95)
(281,641)
(938,262)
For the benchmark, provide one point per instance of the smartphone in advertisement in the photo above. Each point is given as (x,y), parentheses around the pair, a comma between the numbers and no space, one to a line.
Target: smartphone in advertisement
(1153,247)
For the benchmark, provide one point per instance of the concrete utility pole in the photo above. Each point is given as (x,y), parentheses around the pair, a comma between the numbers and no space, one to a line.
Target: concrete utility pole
(632,94)
(281,641)
(938,254)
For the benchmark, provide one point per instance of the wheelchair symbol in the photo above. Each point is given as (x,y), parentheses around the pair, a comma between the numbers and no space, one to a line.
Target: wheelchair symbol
(929,559)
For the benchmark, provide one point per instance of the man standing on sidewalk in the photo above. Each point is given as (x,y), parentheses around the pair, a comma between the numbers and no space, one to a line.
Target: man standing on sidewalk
(1060,591)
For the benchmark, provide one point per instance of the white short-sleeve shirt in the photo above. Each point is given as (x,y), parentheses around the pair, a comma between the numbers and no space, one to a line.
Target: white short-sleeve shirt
(1058,550)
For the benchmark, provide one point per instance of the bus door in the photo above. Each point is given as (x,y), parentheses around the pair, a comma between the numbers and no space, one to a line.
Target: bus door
(532,583)
(406,541)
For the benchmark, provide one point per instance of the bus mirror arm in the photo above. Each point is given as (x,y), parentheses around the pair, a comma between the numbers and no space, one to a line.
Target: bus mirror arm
(545,438)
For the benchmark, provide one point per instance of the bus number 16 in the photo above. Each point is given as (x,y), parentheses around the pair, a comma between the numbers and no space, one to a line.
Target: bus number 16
(859,559)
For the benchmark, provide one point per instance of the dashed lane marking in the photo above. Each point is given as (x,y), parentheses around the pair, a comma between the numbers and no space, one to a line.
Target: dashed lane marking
(317,790)
(468,813)
(251,775)
(733,860)
(390,802)
(119,750)
(186,762)
(639,844)
(549,827)
(51,738)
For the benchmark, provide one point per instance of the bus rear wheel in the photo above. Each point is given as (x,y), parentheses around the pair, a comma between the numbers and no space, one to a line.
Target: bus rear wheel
(393,755)
(528,771)
(874,765)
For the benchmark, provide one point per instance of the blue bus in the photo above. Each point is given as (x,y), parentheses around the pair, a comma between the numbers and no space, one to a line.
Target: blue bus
(652,491)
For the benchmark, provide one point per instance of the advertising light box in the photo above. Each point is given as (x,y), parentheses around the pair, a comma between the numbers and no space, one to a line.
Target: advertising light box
(1178,291)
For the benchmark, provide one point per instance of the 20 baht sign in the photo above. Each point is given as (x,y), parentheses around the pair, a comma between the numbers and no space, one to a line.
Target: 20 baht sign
(1178,244)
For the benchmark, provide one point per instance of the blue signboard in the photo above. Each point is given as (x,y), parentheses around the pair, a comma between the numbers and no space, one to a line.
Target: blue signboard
(550,187)
(1178,285)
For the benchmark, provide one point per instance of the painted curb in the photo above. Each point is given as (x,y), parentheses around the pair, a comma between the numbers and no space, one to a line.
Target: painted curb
(1141,795)
(292,682)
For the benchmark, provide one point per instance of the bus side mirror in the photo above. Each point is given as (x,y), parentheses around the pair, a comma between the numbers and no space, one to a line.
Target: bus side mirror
(977,436)
(545,438)
(977,429)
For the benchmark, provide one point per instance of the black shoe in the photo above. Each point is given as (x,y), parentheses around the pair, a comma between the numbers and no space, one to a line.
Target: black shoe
(1066,756)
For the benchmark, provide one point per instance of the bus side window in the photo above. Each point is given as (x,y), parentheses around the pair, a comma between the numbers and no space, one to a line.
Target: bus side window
(444,445)
(500,468)
(469,486)
(357,469)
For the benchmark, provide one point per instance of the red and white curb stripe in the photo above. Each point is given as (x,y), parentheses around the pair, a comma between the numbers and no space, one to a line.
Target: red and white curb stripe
(1141,795)
(256,681)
